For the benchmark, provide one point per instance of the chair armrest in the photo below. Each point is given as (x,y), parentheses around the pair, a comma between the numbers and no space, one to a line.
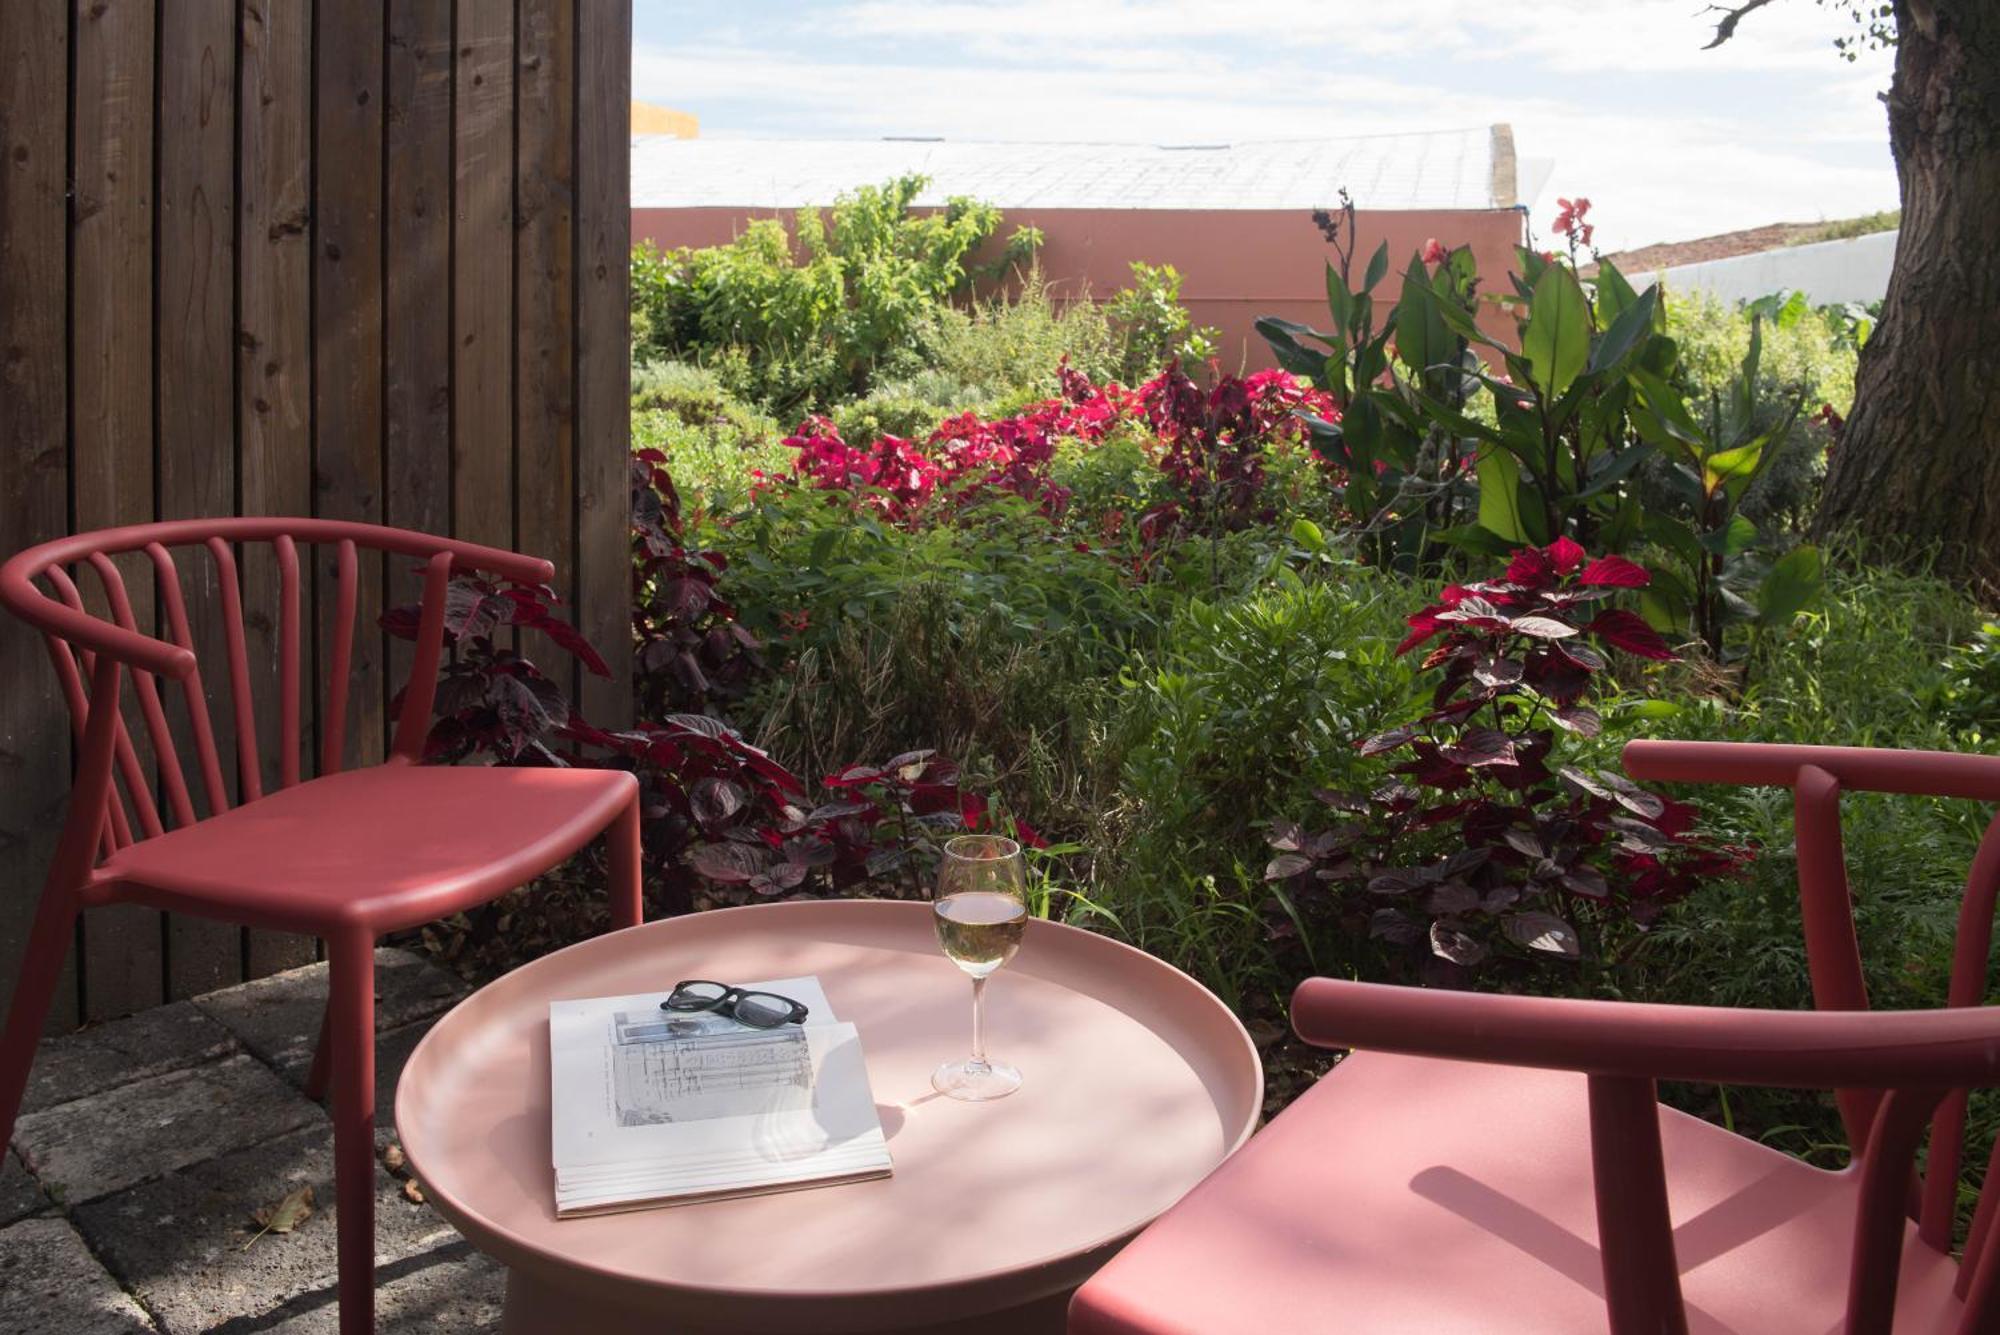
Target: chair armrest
(498,561)
(1858,768)
(142,653)
(1948,1048)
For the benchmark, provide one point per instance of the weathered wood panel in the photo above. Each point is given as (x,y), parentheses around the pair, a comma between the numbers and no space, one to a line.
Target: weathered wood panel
(604,350)
(416,388)
(111,402)
(347,354)
(357,260)
(196,387)
(274,359)
(544,342)
(482,463)
(34,458)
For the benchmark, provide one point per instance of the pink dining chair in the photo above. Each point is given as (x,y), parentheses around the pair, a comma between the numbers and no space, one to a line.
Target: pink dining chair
(345,856)
(1436,1180)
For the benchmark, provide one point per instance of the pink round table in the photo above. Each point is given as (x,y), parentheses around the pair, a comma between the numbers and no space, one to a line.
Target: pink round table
(1138,1083)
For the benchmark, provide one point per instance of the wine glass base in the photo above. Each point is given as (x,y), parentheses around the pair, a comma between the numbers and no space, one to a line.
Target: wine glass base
(975,1082)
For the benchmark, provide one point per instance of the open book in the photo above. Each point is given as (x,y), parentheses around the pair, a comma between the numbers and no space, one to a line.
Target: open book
(655,1107)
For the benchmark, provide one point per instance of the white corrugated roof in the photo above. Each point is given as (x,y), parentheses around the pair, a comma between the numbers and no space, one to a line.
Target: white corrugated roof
(1438,169)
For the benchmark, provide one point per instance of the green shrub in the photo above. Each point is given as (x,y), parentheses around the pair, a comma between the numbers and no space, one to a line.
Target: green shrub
(713,442)
(1249,704)
(1969,694)
(975,638)
(887,412)
(1151,325)
(799,317)
(1862,670)
(1008,346)
(1808,360)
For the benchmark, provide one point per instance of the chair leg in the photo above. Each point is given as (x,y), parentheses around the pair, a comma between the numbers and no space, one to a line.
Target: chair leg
(41,969)
(622,853)
(351,1029)
(322,1063)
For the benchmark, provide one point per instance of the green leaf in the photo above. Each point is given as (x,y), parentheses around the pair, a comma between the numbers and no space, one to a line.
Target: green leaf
(1282,335)
(1610,467)
(1308,535)
(1460,321)
(1499,495)
(1663,416)
(1378,267)
(1339,301)
(1792,585)
(1477,538)
(1675,536)
(1625,332)
(1557,339)
(1732,539)
(1614,294)
(1458,423)
(1733,469)
(1422,339)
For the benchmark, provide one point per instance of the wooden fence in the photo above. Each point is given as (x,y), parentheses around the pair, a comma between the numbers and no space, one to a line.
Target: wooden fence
(362,259)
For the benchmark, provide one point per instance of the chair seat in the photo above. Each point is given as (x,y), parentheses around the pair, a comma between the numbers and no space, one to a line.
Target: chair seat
(385,847)
(1406,1194)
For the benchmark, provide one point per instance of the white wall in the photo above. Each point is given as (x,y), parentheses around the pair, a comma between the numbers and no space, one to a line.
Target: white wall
(1856,269)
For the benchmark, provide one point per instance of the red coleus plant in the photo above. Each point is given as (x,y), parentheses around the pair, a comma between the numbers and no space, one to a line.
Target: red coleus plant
(1210,446)
(492,700)
(716,811)
(878,823)
(1482,846)
(689,651)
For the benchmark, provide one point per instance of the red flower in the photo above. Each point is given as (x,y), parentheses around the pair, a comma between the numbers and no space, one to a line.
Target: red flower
(1434,253)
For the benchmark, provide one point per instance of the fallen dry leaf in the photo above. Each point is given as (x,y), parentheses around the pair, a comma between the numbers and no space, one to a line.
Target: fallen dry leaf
(392,1158)
(294,1209)
(413,1193)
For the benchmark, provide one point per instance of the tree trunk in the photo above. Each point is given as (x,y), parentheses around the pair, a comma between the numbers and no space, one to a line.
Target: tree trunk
(1917,470)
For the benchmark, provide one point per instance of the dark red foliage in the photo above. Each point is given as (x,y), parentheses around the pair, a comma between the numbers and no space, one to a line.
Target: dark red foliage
(1209,443)
(878,823)
(717,812)
(1482,848)
(688,650)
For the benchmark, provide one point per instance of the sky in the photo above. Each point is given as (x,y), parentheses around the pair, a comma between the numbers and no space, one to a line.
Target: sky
(1667,140)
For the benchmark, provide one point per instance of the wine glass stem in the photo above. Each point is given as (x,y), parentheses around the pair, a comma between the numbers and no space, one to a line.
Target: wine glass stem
(978,1022)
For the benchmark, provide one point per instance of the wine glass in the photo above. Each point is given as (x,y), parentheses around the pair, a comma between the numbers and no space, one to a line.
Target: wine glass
(980,913)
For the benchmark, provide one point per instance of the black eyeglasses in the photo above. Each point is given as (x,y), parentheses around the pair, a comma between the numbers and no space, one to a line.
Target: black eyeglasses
(759,1010)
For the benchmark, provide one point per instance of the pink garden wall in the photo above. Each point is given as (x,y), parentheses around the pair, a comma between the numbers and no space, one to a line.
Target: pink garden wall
(1236,264)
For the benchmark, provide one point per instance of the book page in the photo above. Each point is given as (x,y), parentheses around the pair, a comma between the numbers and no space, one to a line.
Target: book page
(648,1103)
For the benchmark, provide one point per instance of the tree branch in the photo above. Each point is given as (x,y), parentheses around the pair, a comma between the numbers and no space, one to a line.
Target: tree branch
(1732,15)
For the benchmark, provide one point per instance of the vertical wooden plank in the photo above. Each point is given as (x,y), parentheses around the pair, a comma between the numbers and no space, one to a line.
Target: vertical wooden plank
(483,274)
(347,346)
(544,300)
(111,402)
(417,262)
(273,345)
(34,455)
(604,350)
(196,408)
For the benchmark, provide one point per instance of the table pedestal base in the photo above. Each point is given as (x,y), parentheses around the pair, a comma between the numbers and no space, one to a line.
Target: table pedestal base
(537,1308)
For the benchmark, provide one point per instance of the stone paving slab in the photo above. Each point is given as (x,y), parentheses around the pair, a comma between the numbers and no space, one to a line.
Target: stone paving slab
(278,1017)
(183,1243)
(97,1145)
(20,1194)
(49,1282)
(453,1291)
(154,1042)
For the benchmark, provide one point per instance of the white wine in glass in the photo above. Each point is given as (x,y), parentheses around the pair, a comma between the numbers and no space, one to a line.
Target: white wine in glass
(980,913)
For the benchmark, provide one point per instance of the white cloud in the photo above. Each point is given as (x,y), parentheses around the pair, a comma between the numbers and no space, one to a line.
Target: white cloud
(1667,139)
